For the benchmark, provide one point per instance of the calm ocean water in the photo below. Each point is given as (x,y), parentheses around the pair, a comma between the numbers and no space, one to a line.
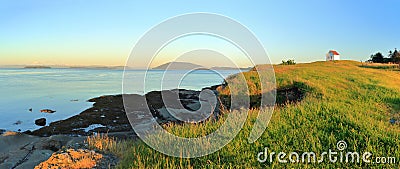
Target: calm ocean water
(67,90)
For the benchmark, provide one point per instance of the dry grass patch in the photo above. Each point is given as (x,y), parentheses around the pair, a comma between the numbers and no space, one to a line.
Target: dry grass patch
(107,144)
(101,141)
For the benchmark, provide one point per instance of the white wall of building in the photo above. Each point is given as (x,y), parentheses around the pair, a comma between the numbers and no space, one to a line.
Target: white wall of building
(336,57)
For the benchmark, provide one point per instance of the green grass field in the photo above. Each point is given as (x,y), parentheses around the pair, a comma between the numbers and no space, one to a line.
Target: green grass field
(343,101)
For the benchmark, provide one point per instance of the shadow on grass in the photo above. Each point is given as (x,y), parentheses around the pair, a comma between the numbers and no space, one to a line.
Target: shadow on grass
(383,67)
(284,95)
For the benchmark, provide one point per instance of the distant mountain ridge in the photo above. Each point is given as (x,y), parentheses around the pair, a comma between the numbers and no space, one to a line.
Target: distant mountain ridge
(191,66)
(230,68)
(178,66)
(37,67)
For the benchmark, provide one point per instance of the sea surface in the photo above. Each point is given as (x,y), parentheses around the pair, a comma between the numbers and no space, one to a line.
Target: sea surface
(67,90)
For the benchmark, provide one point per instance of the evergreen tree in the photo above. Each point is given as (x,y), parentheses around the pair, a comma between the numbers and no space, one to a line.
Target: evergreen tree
(377,58)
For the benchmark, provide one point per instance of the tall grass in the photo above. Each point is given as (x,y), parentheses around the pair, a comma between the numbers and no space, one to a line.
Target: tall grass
(104,143)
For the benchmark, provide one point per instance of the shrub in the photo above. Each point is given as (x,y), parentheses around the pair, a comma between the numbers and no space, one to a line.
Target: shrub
(288,62)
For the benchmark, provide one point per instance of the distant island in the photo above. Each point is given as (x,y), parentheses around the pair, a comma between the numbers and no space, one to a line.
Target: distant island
(67,67)
(98,67)
(178,66)
(191,66)
(37,67)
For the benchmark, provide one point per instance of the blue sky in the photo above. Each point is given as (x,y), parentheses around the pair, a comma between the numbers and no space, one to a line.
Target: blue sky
(96,32)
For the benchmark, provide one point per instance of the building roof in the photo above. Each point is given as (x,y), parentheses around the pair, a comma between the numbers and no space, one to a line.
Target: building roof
(334,52)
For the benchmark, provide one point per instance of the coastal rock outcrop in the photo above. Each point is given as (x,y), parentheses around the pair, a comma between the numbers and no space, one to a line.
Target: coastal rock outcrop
(108,113)
(20,150)
(40,122)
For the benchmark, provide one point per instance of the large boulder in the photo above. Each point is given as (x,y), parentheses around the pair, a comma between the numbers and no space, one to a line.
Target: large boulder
(40,122)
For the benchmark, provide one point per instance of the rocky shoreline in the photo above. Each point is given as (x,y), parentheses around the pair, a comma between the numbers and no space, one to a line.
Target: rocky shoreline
(107,115)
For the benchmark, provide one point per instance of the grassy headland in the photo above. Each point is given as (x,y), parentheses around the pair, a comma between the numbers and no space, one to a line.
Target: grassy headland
(342,101)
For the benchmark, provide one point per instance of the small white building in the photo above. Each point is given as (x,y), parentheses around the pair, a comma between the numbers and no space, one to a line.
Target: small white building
(332,55)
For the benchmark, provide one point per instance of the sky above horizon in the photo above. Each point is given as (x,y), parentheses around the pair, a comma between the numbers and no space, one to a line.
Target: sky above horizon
(94,32)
